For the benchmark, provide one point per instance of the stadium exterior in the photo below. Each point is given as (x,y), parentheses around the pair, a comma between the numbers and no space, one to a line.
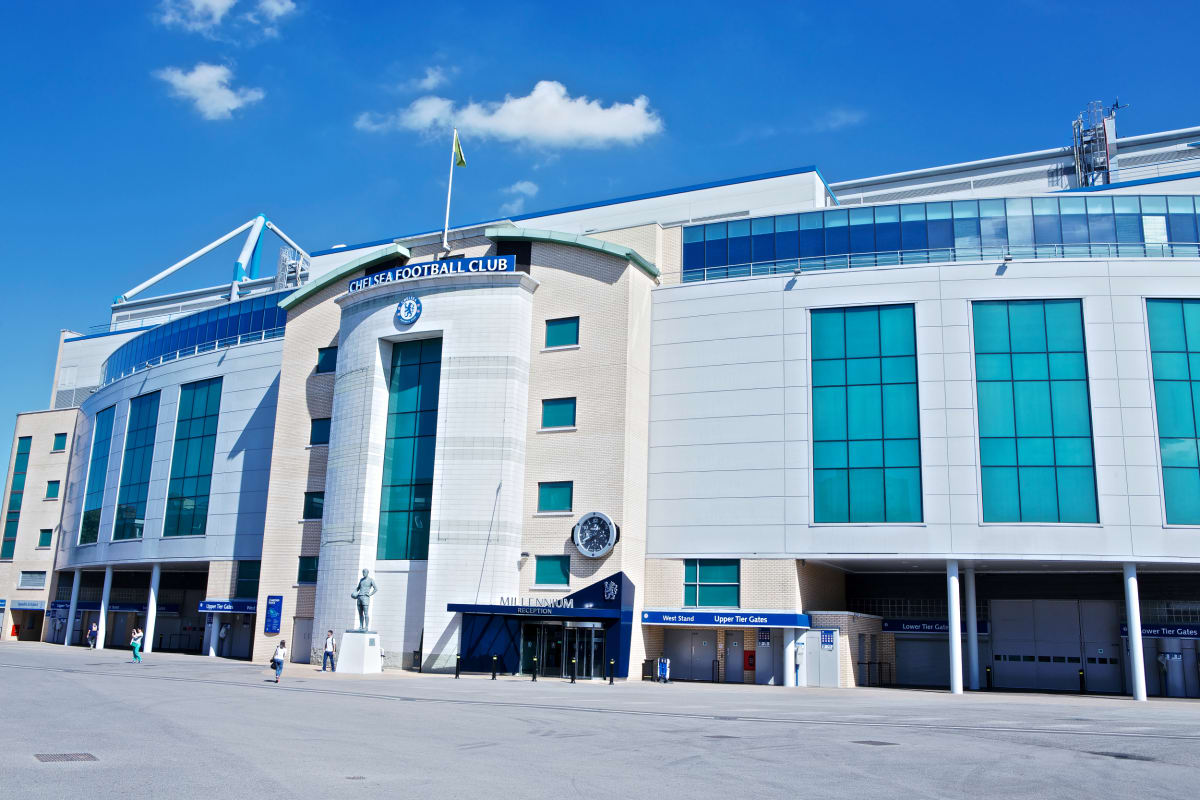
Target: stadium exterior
(931,428)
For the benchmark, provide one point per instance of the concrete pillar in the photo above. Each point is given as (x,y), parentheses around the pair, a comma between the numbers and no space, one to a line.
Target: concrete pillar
(151,609)
(972,633)
(214,638)
(954,634)
(1133,619)
(789,656)
(102,623)
(70,630)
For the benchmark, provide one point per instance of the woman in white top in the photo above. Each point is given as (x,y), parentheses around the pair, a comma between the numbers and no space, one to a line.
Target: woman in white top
(278,658)
(135,642)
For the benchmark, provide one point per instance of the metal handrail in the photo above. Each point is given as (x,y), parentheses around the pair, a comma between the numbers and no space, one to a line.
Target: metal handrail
(938,255)
(198,349)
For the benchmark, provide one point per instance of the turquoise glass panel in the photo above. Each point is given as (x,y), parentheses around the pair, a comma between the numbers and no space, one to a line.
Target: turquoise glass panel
(93,500)
(561,332)
(555,496)
(558,413)
(552,570)
(192,459)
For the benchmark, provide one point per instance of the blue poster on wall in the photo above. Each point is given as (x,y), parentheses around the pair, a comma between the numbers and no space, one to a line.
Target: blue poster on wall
(274,613)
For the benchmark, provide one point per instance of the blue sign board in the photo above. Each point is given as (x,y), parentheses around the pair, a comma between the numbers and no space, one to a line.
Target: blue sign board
(2,602)
(274,613)
(1166,631)
(827,639)
(94,605)
(733,619)
(433,269)
(229,606)
(928,626)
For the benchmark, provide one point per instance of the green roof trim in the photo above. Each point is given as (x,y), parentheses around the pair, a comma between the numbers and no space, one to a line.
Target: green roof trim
(514,234)
(342,272)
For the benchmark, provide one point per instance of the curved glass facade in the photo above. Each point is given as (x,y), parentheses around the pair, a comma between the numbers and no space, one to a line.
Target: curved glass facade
(250,320)
(960,230)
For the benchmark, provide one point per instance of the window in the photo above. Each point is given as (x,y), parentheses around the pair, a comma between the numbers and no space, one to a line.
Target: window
(135,467)
(319,432)
(555,496)
(552,570)
(523,251)
(562,332)
(32,580)
(558,413)
(93,499)
(247,578)
(865,419)
(1174,350)
(409,449)
(20,465)
(192,459)
(1035,426)
(45,537)
(52,490)
(711,582)
(326,359)
(60,443)
(307,573)
(314,505)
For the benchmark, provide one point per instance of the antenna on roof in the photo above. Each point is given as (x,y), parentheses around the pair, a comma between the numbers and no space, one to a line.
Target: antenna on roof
(1094,135)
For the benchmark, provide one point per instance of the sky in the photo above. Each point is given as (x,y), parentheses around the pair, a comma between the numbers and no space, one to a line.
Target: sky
(133,133)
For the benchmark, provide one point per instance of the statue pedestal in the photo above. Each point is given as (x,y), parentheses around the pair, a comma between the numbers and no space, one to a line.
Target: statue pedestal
(359,653)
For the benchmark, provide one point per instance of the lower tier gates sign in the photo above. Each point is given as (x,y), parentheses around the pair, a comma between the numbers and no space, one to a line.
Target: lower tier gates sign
(433,269)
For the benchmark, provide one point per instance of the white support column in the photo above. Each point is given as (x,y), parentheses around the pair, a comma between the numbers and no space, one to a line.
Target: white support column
(972,633)
(789,656)
(151,609)
(70,629)
(214,637)
(954,633)
(102,623)
(1133,619)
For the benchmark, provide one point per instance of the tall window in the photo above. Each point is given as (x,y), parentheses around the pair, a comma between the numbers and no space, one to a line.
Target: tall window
(307,571)
(60,443)
(408,453)
(866,436)
(52,490)
(314,505)
(93,500)
(318,432)
(45,537)
(247,578)
(1035,422)
(711,582)
(16,494)
(1175,349)
(192,459)
(135,467)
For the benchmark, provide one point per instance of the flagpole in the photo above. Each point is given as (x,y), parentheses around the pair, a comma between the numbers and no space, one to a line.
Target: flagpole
(449,187)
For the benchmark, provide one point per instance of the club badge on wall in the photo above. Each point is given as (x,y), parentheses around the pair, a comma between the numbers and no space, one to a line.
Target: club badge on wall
(595,534)
(408,311)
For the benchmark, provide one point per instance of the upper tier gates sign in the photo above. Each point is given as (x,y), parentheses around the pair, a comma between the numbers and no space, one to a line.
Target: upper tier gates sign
(433,269)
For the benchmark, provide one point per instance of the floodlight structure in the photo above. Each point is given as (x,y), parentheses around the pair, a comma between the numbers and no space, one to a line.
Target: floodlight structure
(245,268)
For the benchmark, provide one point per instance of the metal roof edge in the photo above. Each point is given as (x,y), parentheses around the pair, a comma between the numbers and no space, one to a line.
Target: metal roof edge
(509,234)
(336,274)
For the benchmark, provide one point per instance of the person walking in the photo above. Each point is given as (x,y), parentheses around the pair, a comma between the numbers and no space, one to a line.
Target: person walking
(330,656)
(91,636)
(278,658)
(136,644)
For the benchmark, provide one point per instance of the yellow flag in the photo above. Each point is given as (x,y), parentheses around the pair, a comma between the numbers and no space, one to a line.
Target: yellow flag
(459,159)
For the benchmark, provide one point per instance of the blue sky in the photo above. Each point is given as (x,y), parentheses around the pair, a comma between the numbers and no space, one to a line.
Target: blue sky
(136,132)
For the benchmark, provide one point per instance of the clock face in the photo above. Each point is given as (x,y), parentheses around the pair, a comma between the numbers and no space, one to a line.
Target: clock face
(408,310)
(595,535)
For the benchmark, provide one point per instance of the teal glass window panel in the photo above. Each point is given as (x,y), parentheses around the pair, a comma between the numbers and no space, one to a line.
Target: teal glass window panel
(829,413)
(1191,324)
(1067,366)
(993,367)
(901,453)
(718,596)
(135,467)
(718,570)
(1039,495)
(711,582)
(93,501)
(555,495)
(1173,400)
(558,413)
(828,334)
(996,414)
(314,505)
(1178,452)
(1033,451)
(689,571)
(862,332)
(307,569)
(52,490)
(326,360)
(1181,488)
(192,459)
(1027,326)
(866,454)
(1070,452)
(45,537)
(900,411)
(831,495)
(60,442)
(689,595)
(866,495)
(1165,319)
(1064,323)
(1077,495)
(1031,407)
(899,369)
(829,372)
(1030,367)
(562,332)
(1071,414)
(991,327)
(998,452)
(319,431)
(552,570)
(830,454)
(902,488)
(861,370)
(864,411)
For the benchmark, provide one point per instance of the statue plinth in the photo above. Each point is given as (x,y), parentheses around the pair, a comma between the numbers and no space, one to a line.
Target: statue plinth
(360,653)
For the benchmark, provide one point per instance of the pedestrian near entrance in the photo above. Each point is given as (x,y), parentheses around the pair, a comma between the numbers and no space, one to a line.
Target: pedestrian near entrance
(330,656)
(91,636)
(278,658)
(136,644)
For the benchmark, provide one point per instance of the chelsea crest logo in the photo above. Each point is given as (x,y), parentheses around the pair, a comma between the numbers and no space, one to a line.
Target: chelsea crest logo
(409,310)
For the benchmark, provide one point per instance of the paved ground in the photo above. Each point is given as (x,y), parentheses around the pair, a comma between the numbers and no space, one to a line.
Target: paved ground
(187,726)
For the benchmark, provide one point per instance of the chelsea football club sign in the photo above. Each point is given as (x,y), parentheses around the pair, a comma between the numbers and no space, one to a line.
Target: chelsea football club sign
(408,311)
(434,269)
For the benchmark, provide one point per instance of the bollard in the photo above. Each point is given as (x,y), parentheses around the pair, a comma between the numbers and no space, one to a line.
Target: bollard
(535,668)
(612,670)
(493,667)
(572,670)
(457,665)
(988,673)
(1082,683)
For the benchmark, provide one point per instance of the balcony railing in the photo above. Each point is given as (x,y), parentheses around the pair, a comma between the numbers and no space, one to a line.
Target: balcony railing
(198,349)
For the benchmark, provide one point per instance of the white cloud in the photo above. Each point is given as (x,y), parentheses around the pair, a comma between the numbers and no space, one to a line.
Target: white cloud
(547,117)
(198,16)
(276,9)
(208,17)
(520,191)
(836,119)
(207,86)
(432,79)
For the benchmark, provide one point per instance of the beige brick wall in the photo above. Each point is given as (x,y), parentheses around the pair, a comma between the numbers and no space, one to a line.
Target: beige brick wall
(821,586)
(850,626)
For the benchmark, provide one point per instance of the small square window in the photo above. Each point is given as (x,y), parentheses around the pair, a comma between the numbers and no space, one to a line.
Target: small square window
(51,490)
(45,536)
(552,570)
(314,505)
(326,359)
(60,442)
(562,332)
(319,433)
(307,572)
(555,496)
(558,413)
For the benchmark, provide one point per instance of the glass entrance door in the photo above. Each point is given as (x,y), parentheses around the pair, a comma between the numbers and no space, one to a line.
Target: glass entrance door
(555,644)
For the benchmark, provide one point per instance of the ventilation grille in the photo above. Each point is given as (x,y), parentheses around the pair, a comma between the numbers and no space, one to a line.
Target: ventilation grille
(57,757)
(73,398)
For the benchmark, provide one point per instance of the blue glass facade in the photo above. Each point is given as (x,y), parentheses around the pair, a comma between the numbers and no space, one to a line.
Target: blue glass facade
(960,230)
(135,467)
(192,459)
(1175,360)
(249,320)
(20,465)
(93,499)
